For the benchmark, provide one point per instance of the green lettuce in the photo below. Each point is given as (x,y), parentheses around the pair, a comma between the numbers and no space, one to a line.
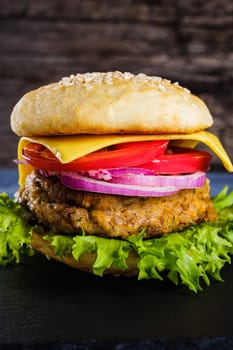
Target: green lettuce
(200,251)
(109,252)
(62,244)
(192,257)
(15,231)
(223,203)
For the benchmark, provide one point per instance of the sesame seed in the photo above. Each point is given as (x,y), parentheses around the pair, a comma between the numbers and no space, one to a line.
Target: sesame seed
(187,90)
(89,79)
(161,87)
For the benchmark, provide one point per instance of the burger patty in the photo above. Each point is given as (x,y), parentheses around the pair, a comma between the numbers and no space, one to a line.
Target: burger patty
(70,211)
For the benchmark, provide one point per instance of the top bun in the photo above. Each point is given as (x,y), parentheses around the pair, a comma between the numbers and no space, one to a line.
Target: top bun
(109,103)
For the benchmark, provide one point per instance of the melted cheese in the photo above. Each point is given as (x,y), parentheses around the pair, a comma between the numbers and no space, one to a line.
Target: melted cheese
(69,148)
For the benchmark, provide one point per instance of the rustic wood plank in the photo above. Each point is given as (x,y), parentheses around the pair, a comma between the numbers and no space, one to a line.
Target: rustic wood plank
(124,10)
(28,35)
(139,48)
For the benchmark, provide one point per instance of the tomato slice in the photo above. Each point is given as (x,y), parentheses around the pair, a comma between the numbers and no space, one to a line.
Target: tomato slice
(179,160)
(124,155)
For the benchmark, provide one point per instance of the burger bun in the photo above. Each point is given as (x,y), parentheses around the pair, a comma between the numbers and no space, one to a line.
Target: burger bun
(109,103)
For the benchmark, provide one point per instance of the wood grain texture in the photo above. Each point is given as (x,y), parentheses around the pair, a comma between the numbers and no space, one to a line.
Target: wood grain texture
(187,41)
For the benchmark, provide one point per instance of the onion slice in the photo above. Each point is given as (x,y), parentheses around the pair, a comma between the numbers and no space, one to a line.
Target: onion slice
(20,161)
(83,183)
(108,174)
(194,180)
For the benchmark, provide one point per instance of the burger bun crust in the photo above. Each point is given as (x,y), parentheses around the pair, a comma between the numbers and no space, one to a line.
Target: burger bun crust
(109,103)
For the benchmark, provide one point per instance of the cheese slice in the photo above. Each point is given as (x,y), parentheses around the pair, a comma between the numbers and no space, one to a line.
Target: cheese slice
(69,148)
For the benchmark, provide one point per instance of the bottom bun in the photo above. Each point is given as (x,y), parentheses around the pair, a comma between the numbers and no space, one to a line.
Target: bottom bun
(85,262)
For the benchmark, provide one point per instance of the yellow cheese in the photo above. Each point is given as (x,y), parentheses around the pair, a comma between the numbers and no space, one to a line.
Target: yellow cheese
(69,148)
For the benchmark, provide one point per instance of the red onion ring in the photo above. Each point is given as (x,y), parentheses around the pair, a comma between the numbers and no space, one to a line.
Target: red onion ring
(20,161)
(108,174)
(83,183)
(179,181)
(131,185)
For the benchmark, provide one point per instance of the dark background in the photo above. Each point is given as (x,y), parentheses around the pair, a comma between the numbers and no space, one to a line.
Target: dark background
(183,40)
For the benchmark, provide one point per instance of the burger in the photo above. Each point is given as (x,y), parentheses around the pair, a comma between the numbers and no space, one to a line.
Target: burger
(110,169)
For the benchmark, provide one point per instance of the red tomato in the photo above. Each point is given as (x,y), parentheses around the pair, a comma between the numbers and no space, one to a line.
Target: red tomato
(124,155)
(179,160)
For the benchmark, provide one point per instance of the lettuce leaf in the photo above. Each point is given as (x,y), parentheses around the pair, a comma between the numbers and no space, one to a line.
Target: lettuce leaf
(200,251)
(15,231)
(191,257)
(62,244)
(109,252)
(223,203)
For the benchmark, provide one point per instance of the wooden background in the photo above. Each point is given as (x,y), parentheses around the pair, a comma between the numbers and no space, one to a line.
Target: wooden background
(190,41)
